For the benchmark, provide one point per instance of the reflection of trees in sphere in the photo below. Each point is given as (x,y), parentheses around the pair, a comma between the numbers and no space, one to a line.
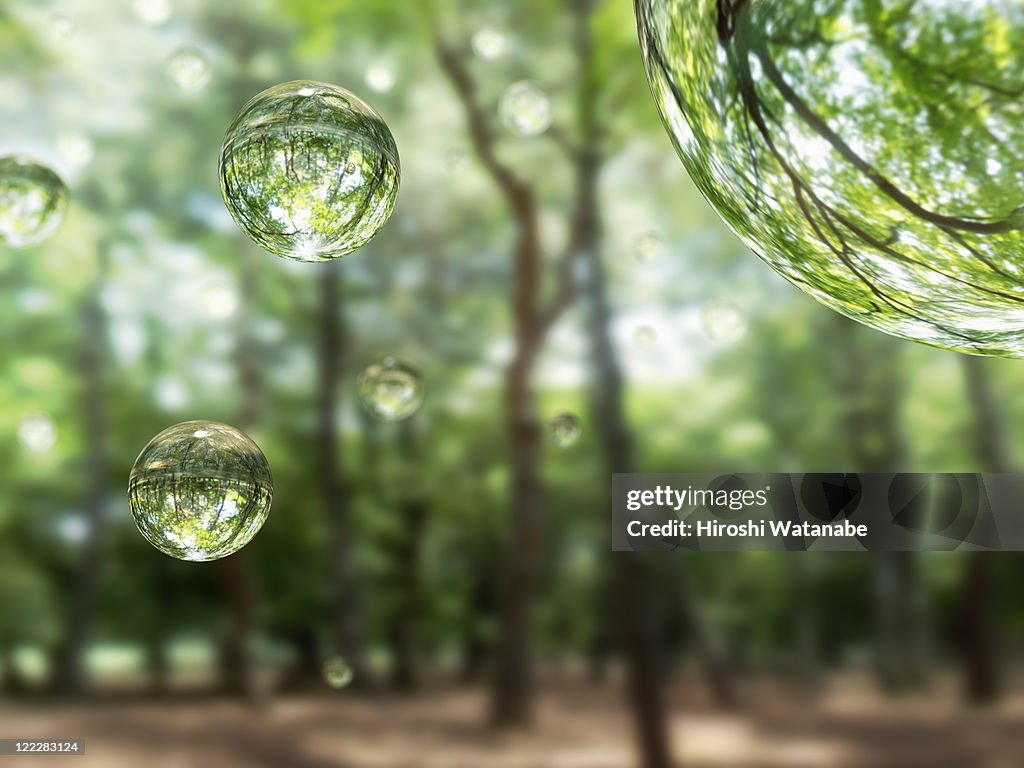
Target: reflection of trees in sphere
(869,152)
(391,389)
(309,171)
(338,672)
(200,490)
(565,430)
(32,202)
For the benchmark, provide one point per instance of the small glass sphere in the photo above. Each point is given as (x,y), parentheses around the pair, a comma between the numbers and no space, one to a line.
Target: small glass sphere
(76,150)
(391,390)
(525,109)
(723,321)
(490,43)
(565,430)
(200,490)
(37,433)
(645,336)
(153,12)
(189,68)
(33,200)
(648,247)
(309,171)
(338,673)
(380,77)
(868,151)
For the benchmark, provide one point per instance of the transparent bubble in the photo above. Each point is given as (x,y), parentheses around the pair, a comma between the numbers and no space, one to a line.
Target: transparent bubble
(37,433)
(61,27)
(391,389)
(645,336)
(220,299)
(33,200)
(490,43)
(309,171)
(869,156)
(648,246)
(76,150)
(189,68)
(525,109)
(565,430)
(338,673)
(153,12)
(723,321)
(456,159)
(200,490)
(380,78)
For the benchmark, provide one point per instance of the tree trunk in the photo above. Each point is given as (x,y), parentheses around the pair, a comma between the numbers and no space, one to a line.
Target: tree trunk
(69,678)
(978,631)
(236,582)
(347,620)
(402,630)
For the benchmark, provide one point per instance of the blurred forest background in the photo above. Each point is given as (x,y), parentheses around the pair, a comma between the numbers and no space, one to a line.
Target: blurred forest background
(459,561)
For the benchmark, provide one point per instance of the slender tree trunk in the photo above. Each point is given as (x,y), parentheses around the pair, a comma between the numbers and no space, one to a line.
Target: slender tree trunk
(979,634)
(512,692)
(628,571)
(403,626)
(334,490)
(70,671)
(234,575)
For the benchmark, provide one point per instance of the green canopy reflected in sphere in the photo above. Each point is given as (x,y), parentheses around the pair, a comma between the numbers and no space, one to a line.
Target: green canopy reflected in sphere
(309,171)
(200,490)
(338,673)
(33,200)
(391,389)
(869,152)
(565,430)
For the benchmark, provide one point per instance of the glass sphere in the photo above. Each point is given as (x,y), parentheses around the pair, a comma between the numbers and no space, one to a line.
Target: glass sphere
(525,109)
(565,430)
(189,68)
(309,171)
(200,490)
(723,321)
(33,200)
(391,390)
(338,673)
(645,336)
(489,43)
(868,154)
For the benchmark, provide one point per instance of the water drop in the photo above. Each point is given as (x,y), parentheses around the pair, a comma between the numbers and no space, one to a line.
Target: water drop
(565,430)
(33,200)
(200,490)
(283,171)
(525,109)
(338,673)
(391,389)
(723,321)
(189,68)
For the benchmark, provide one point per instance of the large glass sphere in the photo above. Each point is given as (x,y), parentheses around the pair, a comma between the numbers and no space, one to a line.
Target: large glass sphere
(309,171)
(32,202)
(870,152)
(200,490)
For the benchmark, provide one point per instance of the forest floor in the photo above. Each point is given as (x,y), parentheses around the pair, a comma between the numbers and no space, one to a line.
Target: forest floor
(845,723)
